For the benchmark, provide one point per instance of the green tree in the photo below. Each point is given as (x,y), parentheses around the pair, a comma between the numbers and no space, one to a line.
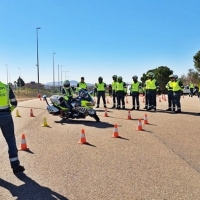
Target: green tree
(20,82)
(196,59)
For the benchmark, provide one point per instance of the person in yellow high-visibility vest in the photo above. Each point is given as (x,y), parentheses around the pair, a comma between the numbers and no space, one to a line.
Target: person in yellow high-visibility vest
(146,86)
(191,86)
(121,92)
(135,92)
(101,92)
(169,86)
(153,87)
(81,85)
(177,92)
(8,103)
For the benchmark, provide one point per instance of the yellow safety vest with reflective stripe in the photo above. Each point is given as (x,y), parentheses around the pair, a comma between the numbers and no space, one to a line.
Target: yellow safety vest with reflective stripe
(147,83)
(135,87)
(101,86)
(176,86)
(169,84)
(152,84)
(4,96)
(82,85)
(120,86)
(114,83)
(191,85)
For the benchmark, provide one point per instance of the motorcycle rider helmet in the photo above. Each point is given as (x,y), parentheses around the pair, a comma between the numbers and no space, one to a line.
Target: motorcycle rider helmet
(134,77)
(171,76)
(114,76)
(66,84)
(175,76)
(100,78)
(119,78)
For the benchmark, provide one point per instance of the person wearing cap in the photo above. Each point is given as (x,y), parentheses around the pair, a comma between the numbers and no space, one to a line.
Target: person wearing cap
(101,92)
(8,103)
(177,92)
(153,87)
(135,92)
(121,91)
(114,96)
(169,87)
(82,84)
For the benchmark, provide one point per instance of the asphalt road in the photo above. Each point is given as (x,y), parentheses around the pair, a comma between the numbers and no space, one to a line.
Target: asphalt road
(161,162)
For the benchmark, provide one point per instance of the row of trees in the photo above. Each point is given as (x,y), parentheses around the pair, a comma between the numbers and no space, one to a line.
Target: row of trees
(162,74)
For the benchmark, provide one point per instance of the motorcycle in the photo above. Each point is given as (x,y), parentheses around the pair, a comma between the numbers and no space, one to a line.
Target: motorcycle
(82,106)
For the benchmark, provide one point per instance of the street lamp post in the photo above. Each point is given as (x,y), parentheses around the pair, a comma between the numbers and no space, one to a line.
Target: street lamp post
(65,73)
(38,61)
(53,73)
(7,72)
(61,76)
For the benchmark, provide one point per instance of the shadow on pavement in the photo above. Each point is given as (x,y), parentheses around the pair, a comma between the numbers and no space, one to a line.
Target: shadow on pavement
(87,123)
(182,112)
(30,190)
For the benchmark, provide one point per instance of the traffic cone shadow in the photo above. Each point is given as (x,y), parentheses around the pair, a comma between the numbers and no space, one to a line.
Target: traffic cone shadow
(83,139)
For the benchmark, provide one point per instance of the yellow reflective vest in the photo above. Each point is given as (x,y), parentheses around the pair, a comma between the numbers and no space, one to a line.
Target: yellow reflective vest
(176,86)
(135,87)
(152,84)
(114,83)
(101,86)
(169,86)
(4,96)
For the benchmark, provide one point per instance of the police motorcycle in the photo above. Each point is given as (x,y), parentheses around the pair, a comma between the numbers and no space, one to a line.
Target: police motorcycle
(82,106)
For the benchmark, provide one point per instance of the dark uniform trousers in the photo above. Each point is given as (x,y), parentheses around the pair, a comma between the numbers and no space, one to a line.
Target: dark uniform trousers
(146,98)
(177,98)
(171,99)
(7,128)
(114,96)
(99,95)
(152,99)
(191,92)
(120,98)
(135,98)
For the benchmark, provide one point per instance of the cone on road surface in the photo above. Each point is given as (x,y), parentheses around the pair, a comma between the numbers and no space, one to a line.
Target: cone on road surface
(107,101)
(23,144)
(17,113)
(145,119)
(139,128)
(129,115)
(106,113)
(115,134)
(31,113)
(183,95)
(83,138)
(126,100)
(45,123)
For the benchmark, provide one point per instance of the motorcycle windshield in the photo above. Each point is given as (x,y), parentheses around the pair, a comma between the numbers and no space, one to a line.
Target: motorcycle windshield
(84,95)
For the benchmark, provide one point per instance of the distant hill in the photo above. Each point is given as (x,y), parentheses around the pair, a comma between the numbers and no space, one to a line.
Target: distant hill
(72,82)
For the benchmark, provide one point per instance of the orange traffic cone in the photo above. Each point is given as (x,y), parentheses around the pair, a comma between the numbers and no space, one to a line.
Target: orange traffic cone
(145,119)
(107,101)
(106,114)
(115,134)
(139,128)
(183,95)
(126,100)
(83,138)
(129,114)
(31,113)
(23,144)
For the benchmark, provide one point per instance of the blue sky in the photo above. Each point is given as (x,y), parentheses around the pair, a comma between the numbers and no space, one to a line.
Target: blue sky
(93,38)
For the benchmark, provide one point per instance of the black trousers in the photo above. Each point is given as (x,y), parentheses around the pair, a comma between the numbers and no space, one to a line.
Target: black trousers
(120,99)
(135,99)
(99,95)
